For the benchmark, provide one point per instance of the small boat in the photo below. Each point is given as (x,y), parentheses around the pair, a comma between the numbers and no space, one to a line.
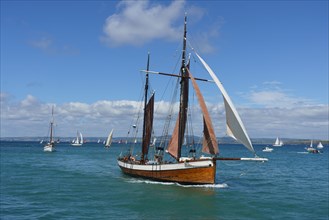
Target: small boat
(109,139)
(78,141)
(267,149)
(278,142)
(171,161)
(311,149)
(50,146)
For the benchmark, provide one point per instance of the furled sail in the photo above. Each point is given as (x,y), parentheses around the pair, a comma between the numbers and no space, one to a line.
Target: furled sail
(148,125)
(234,125)
(210,144)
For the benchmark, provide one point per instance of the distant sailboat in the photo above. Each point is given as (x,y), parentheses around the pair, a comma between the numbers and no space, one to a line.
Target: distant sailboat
(50,146)
(267,149)
(109,139)
(278,142)
(181,168)
(78,141)
(312,149)
(320,146)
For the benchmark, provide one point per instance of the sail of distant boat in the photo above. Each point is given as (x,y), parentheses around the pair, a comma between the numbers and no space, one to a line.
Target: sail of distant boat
(319,146)
(109,139)
(278,142)
(78,141)
(50,146)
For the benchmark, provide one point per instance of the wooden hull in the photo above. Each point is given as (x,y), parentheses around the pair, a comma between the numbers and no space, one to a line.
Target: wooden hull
(189,172)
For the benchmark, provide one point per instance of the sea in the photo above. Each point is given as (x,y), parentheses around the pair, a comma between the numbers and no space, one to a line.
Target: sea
(86,183)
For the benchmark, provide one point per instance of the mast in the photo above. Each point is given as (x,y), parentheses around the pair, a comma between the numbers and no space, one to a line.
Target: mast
(183,96)
(144,145)
(51,126)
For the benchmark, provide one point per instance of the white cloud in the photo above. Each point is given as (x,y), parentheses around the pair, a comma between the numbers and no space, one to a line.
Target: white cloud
(48,45)
(306,122)
(44,43)
(275,111)
(30,117)
(138,22)
(271,95)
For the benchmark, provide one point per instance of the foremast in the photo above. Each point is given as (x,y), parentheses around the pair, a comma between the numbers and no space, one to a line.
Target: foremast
(148,116)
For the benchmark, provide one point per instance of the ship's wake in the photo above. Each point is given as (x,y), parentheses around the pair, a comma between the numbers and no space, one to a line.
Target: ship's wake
(219,185)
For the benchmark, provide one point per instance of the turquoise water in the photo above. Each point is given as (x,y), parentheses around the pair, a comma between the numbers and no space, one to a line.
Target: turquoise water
(86,183)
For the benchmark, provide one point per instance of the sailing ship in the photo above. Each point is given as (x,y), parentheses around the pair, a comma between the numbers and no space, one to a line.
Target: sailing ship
(278,142)
(109,139)
(50,146)
(180,168)
(78,141)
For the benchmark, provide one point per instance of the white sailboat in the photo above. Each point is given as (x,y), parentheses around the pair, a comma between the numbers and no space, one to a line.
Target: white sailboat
(50,146)
(78,141)
(320,146)
(109,139)
(186,169)
(278,142)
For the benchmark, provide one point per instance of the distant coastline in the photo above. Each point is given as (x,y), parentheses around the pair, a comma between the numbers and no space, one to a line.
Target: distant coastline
(222,140)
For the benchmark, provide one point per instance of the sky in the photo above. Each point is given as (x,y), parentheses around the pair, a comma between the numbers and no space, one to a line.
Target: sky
(84,58)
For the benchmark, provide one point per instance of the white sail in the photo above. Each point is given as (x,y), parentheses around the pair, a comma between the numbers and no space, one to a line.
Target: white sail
(109,139)
(320,146)
(234,125)
(154,141)
(278,142)
(77,141)
(81,138)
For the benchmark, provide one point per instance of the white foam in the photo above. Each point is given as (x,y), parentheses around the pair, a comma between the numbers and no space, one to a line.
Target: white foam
(223,185)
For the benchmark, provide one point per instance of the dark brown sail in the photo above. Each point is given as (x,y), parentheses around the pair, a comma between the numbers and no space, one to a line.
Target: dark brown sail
(148,126)
(210,144)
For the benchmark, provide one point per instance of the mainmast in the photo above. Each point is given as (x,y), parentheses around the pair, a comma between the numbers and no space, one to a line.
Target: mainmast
(183,96)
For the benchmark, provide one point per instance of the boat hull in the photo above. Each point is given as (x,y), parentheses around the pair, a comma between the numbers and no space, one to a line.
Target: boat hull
(49,148)
(188,172)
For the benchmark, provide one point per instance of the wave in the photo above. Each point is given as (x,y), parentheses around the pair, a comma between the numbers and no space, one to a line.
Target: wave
(223,185)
